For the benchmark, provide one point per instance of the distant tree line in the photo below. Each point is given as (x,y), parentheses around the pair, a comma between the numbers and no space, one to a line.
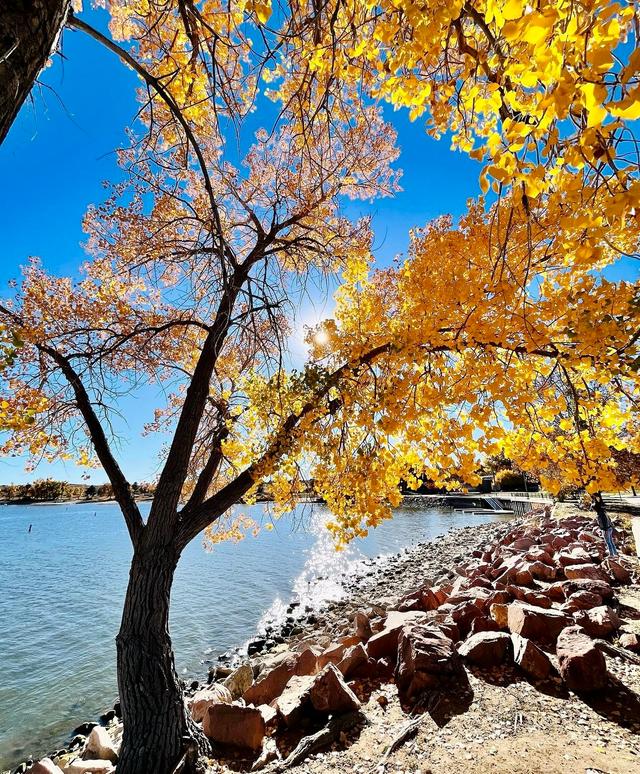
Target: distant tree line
(50,490)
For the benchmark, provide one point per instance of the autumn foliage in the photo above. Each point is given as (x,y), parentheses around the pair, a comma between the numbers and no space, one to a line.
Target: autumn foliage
(503,331)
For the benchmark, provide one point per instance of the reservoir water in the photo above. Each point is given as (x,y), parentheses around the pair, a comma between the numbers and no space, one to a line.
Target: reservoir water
(62,587)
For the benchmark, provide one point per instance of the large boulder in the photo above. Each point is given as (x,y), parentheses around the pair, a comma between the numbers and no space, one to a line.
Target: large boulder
(202,700)
(325,692)
(425,658)
(599,621)
(586,572)
(536,623)
(353,657)
(44,766)
(582,665)
(384,644)
(540,571)
(528,656)
(422,599)
(581,600)
(573,556)
(487,648)
(601,588)
(615,567)
(239,681)
(463,614)
(271,682)
(235,725)
(100,745)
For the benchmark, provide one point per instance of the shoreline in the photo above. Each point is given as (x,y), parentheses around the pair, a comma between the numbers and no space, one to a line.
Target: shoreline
(401,570)
(563,728)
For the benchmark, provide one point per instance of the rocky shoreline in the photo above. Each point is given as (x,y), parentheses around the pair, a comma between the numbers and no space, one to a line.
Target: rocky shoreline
(532,597)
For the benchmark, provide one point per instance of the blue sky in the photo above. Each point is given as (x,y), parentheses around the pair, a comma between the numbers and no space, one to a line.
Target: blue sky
(61,149)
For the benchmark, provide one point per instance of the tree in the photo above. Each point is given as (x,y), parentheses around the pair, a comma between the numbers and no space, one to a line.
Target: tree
(196,260)
(194,263)
(28,35)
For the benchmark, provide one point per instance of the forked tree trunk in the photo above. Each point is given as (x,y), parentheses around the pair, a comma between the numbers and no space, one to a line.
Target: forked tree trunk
(28,32)
(157,729)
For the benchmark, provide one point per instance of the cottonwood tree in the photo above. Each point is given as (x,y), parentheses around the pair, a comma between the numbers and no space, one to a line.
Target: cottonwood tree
(28,35)
(195,261)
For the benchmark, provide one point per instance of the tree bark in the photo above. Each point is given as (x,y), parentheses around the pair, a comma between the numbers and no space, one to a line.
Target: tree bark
(29,30)
(157,729)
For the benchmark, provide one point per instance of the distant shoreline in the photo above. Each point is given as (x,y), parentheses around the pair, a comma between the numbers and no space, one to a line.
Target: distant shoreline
(69,501)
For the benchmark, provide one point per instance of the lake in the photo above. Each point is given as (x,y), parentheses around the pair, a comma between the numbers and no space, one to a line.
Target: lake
(62,587)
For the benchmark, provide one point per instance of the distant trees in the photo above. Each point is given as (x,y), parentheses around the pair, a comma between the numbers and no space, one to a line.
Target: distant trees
(50,490)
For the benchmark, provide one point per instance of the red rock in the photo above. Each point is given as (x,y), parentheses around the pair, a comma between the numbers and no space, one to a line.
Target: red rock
(362,626)
(270,717)
(422,599)
(582,665)
(373,669)
(559,542)
(586,572)
(477,594)
(44,766)
(271,683)
(325,692)
(487,648)
(573,556)
(528,656)
(425,657)
(440,593)
(235,725)
(540,571)
(630,641)
(555,591)
(499,596)
(463,614)
(617,570)
(581,600)
(538,554)
(483,624)
(353,657)
(598,621)
(603,590)
(449,629)
(385,643)
(532,597)
(331,655)
(202,700)
(522,544)
(536,623)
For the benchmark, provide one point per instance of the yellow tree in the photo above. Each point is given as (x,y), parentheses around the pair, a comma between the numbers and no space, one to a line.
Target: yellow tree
(195,261)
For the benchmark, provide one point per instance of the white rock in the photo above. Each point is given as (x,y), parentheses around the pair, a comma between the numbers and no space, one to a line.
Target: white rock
(100,745)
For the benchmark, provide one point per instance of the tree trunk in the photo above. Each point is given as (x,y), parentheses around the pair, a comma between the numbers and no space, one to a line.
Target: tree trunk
(157,729)
(28,32)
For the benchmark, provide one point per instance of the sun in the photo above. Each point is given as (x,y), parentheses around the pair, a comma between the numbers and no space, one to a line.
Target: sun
(321,337)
